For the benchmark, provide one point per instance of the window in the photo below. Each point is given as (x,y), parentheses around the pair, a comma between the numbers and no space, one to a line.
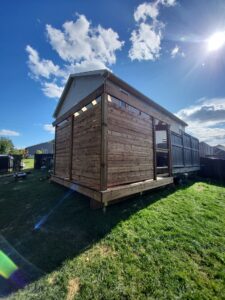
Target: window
(162,159)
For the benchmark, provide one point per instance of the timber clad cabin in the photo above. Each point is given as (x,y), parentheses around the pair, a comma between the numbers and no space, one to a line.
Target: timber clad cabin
(112,141)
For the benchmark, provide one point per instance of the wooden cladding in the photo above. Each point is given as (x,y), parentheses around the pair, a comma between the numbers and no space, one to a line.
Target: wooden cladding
(109,143)
(62,150)
(130,144)
(86,148)
(77,147)
(134,101)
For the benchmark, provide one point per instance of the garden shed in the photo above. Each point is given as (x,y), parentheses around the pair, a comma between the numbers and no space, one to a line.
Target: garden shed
(112,141)
(6,163)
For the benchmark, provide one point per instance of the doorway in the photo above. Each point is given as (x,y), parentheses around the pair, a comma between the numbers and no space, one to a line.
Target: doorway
(162,149)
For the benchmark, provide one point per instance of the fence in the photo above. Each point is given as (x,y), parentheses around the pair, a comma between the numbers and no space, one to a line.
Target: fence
(41,160)
(185,151)
(213,168)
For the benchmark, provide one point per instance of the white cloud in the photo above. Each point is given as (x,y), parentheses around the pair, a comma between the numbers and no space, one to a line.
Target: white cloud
(206,120)
(81,47)
(41,67)
(49,128)
(176,51)
(145,43)
(145,10)
(8,132)
(146,38)
(52,90)
(79,41)
(168,2)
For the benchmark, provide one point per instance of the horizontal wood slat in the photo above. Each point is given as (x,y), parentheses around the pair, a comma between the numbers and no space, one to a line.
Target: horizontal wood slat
(86,148)
(130,155)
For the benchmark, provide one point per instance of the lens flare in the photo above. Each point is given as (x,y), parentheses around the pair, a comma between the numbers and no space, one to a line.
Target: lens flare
(216,41)
(7,266)
(44,219)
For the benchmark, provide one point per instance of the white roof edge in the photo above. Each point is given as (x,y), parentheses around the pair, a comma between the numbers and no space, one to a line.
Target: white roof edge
(94,72)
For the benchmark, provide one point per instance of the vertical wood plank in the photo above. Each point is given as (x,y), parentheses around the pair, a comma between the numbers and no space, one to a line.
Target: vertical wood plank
(169,150)
(71,147)
(104,142)
(55,150)
(154,149)
(182,138)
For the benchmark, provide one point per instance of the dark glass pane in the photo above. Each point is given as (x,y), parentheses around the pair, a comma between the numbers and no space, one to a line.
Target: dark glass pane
(162,159)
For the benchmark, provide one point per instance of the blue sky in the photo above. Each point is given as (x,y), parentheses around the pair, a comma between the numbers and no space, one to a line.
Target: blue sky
(167,49)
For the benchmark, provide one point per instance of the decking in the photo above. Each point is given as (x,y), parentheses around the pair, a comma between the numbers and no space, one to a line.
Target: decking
(113,193)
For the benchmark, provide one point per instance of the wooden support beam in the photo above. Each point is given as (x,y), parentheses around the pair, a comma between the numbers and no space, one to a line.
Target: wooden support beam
(95,204)
(78,188)
(169,147)
(71,147)
(154,150)
(182,138)
(117,192)
(54,156)
(134,188)
(104,142)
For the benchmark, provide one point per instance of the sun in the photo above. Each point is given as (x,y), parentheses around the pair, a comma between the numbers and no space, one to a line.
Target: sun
(216,41)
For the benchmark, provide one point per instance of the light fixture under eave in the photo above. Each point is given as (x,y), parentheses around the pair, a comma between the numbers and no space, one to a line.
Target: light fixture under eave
(84,108)
(76,114)
(109,98)
(94,102)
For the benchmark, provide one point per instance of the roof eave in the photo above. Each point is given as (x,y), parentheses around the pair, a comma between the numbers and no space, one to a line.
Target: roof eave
(147,99)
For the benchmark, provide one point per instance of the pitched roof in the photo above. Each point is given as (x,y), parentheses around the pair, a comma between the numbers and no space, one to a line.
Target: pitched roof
(107,74)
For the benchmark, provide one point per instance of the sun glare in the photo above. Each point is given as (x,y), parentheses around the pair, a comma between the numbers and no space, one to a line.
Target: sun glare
(216,41)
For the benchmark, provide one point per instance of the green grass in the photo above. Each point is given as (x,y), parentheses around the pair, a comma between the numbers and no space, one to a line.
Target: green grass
(168,244)
(29,163)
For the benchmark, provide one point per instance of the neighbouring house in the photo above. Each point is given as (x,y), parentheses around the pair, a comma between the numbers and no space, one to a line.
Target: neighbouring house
(112,141)
(46,148)
(205,150)
(219,151)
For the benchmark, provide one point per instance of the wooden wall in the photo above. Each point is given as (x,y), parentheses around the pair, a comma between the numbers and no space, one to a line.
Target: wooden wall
(119,93)
(130,147)
(62,149)
(86,148)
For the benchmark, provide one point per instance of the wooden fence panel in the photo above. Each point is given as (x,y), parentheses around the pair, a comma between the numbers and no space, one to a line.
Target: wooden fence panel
(185,151)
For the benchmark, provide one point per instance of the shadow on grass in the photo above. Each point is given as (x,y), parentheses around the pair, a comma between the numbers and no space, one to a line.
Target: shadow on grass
(70,229)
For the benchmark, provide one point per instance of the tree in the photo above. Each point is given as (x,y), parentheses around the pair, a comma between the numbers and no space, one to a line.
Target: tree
(18,152)
(6,145)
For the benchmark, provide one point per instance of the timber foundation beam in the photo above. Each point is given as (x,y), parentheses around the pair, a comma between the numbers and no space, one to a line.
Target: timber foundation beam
(103,198)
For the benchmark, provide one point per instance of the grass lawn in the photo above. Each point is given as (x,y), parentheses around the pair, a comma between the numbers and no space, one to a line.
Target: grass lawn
(29,163)
(167,244)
